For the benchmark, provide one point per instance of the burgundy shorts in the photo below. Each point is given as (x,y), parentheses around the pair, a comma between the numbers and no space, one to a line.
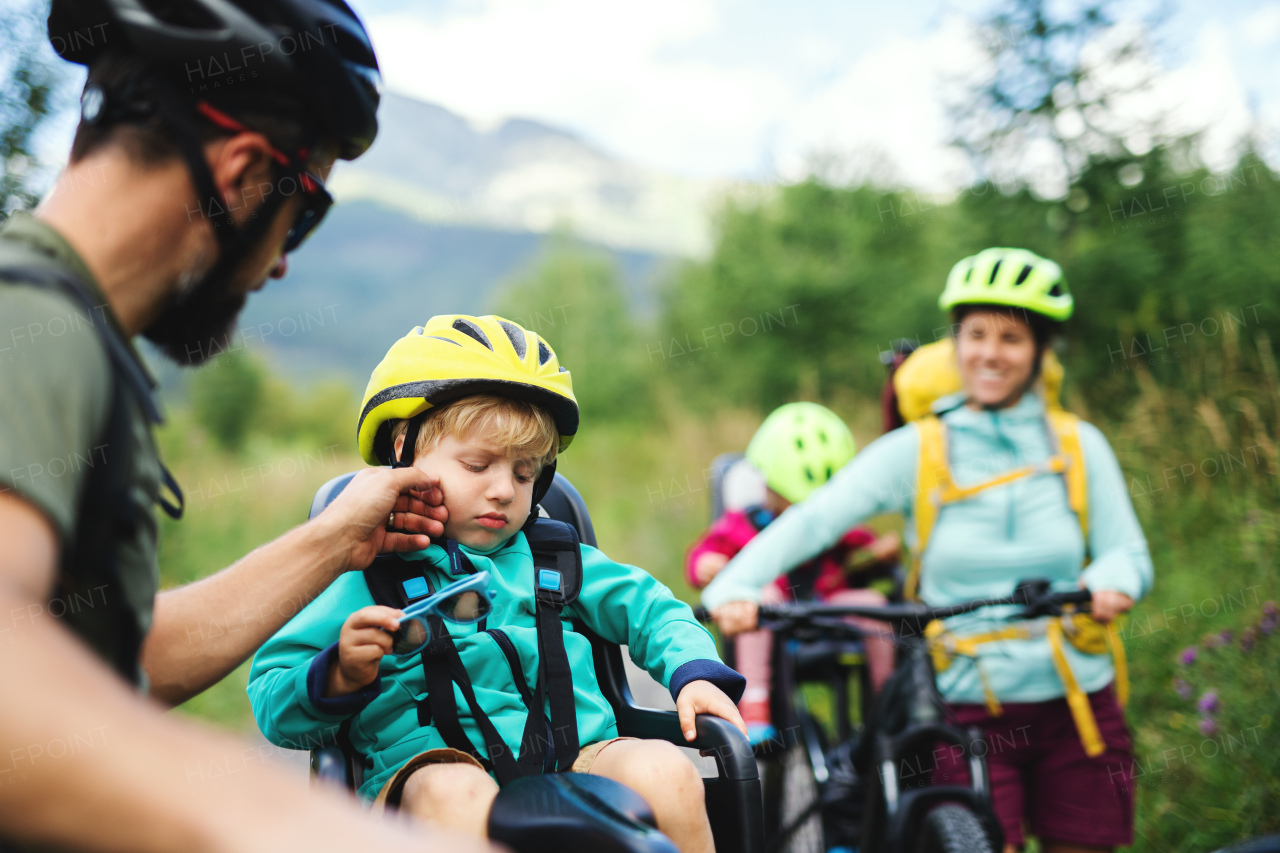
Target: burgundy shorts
(1041,778)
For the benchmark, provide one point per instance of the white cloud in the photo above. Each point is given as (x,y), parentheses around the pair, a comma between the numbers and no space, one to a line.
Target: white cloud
(1262,27)
(639,82)
(592,66)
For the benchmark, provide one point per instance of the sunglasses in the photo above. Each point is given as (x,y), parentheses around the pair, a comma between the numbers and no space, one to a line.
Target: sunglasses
(464,602)
(317,199)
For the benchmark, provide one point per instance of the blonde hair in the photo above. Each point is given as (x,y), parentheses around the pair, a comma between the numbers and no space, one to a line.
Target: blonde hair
(522,428)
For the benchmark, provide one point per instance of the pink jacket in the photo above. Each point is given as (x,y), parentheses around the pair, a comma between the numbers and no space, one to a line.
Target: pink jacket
(732,531)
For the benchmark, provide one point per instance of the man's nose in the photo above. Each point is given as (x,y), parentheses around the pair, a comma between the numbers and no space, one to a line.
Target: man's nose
(281,268)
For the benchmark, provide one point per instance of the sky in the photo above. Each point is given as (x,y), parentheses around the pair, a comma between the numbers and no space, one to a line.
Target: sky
(763,89)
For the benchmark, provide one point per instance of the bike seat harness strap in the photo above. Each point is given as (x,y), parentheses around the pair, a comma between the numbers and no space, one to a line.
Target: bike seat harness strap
(549,743)
(935,488)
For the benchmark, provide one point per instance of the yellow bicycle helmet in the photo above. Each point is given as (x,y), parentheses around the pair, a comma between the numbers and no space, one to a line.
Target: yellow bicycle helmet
(455,356)
(1014,277)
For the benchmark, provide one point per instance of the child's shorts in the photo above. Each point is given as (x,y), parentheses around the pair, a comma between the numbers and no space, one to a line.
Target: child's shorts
(391,792)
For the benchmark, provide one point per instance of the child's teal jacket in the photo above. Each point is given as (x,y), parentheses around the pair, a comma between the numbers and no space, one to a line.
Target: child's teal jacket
(621,603)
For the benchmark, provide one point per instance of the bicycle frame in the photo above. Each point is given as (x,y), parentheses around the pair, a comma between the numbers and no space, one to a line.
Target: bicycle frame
(907,721)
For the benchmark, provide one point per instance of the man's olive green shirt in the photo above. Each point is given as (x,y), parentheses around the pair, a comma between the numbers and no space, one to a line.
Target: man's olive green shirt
(55,396)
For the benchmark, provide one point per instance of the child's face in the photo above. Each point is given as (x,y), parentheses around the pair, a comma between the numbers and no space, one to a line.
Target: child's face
(488,490)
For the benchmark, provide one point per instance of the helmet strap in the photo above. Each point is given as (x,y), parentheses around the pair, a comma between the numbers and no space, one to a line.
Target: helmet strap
(410,443)
(235,243)
(541,486)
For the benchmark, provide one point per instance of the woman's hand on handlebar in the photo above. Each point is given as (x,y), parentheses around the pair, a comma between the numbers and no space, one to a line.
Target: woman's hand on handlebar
(736,617)
(1107,604)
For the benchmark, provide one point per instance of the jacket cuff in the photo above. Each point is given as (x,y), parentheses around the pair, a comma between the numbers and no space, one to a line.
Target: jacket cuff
(336,706)
(708,670)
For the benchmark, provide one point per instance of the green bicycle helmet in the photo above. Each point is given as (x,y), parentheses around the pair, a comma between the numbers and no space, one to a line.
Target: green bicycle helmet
(1014,277)
(799,447)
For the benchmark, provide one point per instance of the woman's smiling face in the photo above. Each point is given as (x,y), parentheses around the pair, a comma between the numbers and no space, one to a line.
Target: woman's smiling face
(996,352)
(488,489)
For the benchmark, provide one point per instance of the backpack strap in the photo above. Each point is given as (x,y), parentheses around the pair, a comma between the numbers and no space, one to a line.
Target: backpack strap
(106,511)
(933,473)
(1064,427)
(935,487)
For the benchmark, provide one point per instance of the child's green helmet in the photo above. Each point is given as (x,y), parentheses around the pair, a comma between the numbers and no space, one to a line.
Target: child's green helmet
(1014,277)
(799,447)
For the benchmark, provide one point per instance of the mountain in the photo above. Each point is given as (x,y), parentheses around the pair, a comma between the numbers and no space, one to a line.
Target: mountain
(524,176)
(438,215)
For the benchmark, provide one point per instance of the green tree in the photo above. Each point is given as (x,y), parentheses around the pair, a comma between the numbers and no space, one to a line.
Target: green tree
(30,79)
(574,299)
(227,397)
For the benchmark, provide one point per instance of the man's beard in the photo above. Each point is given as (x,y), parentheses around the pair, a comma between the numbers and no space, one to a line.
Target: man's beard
(200,320)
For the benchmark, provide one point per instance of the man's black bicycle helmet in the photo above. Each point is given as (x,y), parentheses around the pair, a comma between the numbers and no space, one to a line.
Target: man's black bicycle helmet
(316,50)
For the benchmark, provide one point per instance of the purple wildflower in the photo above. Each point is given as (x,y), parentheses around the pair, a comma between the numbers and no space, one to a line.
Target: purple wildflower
(1209,703)
(1189,655)
(1271,609)
(1248,638)
(1226,637)
(1267,625)
(1182,688)
(1208,727)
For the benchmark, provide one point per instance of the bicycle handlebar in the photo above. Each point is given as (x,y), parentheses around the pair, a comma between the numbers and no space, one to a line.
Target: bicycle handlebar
(1033,596)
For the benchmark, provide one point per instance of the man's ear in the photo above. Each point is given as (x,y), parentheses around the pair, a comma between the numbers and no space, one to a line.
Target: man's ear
(242,170)
(399,443)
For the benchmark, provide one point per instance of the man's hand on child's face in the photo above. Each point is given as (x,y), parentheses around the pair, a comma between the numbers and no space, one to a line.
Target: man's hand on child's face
(703,697)
(384,511)
(365,638)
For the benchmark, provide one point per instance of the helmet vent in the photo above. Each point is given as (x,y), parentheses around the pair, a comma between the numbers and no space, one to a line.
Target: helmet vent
(1022,276)
(446,340)
(800,443)
(544,353)
(808,473)
(1056,290)
(830,472)
(515,335)
(471,330)
(995,271)
(968,274)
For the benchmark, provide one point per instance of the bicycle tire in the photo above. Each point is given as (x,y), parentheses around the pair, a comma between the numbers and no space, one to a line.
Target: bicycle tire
(952,828)
(800,794)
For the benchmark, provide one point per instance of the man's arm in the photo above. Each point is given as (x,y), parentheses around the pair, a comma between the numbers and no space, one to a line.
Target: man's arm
(87,763)
(204,630)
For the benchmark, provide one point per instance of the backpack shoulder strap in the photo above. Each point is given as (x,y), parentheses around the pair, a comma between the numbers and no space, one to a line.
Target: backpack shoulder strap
(106,510)
(1064,428)
(933,475)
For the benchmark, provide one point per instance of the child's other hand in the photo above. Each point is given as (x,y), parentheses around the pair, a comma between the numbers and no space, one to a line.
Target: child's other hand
(708,566)
(365,638)
(703,697)
(736,617)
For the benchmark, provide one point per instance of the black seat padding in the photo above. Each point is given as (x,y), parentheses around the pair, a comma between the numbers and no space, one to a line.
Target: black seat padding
(574,811)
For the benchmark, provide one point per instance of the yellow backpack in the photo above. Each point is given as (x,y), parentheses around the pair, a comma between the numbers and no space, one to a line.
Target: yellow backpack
(929,373)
